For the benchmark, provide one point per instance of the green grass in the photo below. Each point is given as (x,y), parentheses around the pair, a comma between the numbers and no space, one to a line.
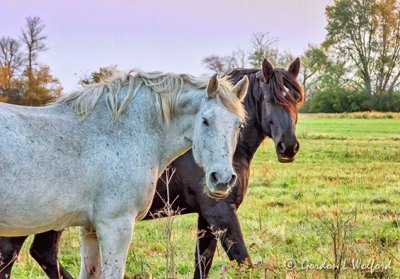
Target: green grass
(347,169)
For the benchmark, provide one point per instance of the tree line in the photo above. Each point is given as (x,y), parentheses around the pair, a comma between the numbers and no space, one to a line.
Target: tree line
(356,68)
(23,80)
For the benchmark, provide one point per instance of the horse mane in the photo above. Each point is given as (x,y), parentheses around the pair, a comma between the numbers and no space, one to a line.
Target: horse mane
(237,74)
(166,87)
(276,85)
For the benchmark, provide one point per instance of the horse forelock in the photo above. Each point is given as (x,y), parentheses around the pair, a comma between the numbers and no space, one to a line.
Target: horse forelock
(229,100)
(276,87)
(280,83)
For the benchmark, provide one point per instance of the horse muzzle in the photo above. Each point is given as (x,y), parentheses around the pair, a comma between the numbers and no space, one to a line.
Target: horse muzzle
(219,185)
(287,152)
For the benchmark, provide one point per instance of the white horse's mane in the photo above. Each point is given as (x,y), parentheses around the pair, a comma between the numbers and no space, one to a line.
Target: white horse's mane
(166,87)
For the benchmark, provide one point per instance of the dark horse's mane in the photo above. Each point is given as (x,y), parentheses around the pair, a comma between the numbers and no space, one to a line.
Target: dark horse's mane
(275,87)
(238,74)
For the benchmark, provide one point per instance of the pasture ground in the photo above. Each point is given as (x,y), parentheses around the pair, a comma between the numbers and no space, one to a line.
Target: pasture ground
(340,196)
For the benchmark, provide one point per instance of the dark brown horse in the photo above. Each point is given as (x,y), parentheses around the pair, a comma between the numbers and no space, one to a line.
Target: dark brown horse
(271,103)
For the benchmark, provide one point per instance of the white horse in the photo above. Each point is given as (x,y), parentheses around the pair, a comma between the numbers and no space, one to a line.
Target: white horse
(74,164)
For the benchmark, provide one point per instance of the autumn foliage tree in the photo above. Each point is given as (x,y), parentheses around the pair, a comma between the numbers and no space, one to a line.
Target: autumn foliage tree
(358,65)
(367,33)
(23,80)
(11,61)
(356,68)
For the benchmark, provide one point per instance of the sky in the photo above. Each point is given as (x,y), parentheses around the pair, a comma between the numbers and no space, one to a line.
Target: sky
(163,35)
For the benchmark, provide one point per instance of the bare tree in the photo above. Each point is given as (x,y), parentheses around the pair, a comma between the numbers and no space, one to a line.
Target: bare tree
(223,65)
(33,39)
(229,63)
(241,58)
(11,60)
(215,63)
(262,46)
(238,59)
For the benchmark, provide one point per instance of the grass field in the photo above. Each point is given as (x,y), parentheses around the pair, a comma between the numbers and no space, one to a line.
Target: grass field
(343,189)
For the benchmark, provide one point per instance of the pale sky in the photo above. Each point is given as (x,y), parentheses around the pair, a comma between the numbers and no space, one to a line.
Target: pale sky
(165,35)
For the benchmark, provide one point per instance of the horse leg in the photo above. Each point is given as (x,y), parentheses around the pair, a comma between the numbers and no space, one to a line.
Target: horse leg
(90,257)
(221,221)
(115,237)
(205,249)
(232,240)
(44,250)
(9,250)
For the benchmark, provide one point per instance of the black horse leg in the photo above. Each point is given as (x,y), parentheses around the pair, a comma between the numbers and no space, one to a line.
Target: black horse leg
(233,242)
(221,221)
(205,249)
(9,249)
(44,250)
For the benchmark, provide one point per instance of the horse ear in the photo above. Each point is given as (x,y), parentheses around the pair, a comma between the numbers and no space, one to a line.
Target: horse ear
(212,86)
(240,88)
(294,68)
(267,70)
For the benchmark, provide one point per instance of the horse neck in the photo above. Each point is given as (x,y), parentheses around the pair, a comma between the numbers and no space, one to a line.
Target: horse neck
(163,142)
(177,137)
(252,135)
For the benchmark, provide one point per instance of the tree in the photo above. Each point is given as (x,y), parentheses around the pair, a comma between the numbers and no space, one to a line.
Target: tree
(367,33)
(388,33)
(45,88)
(33,40)
(41,86)
(215,63)
(102,74)
(11,60)
(314,62)
(23,80)
(262,46)
(240,58)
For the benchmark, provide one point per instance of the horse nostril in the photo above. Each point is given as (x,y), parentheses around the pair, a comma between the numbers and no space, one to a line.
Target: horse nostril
(296,148)
(233,180)
(280,147)
(214,177)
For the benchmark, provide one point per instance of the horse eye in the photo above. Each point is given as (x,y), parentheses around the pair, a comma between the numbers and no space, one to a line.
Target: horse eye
(205,122)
